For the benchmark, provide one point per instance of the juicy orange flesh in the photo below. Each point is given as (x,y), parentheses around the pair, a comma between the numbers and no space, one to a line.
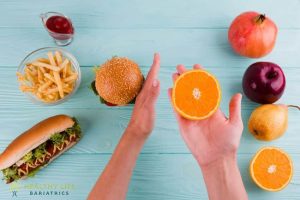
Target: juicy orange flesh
(209,94)
(270,158)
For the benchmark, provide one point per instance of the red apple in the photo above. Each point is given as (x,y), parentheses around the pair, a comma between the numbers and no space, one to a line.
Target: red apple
(264,82)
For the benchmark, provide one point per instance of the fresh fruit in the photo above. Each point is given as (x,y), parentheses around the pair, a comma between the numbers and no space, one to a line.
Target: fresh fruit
(196,94)
(268,122)
(264,82)
(271,169)
(252,34)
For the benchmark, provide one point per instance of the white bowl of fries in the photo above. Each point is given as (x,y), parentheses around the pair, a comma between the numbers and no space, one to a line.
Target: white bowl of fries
(49,76)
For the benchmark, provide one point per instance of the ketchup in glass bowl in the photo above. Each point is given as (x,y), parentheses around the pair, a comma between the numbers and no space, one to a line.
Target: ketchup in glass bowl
(59,27)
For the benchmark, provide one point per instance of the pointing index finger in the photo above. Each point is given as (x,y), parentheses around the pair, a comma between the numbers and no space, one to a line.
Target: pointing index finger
(180,69)
(197,66)
(153,73)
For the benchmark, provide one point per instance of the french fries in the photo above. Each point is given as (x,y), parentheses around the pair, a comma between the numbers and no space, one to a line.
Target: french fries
(58,57)
(49,79)
(41,64)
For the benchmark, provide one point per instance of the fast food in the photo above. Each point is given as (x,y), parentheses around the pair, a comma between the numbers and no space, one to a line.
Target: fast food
(118,81)
(49,77)
(38,146)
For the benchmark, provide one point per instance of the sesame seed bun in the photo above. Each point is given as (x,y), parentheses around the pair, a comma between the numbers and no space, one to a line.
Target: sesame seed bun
(119,80)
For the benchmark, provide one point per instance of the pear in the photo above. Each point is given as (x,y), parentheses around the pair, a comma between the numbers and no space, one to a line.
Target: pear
(269,122)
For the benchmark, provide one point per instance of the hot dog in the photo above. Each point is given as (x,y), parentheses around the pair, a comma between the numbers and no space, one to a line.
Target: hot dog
(38,146)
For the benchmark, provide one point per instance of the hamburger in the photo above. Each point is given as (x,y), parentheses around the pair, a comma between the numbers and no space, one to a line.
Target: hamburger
(38,146)
(118,81)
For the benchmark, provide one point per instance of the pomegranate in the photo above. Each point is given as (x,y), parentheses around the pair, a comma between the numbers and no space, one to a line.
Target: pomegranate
(252,34)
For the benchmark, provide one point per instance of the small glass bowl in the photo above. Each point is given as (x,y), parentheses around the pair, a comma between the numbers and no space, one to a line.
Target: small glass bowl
(61,39)
(42,53)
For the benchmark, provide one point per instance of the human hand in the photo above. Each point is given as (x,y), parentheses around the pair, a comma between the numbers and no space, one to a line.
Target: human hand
(143,116)
(216,137)
(114,180)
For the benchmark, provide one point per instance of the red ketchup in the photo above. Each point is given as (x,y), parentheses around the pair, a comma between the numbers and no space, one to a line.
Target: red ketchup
(59,27)
(59,24)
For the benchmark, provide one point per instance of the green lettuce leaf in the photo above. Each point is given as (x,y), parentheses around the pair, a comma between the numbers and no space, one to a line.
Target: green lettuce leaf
(93,88)
(40,151)
(28,157)
(57,138)
(75,129)
(10,173)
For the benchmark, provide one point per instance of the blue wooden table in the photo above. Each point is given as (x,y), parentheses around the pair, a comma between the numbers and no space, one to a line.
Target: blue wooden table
(187,32)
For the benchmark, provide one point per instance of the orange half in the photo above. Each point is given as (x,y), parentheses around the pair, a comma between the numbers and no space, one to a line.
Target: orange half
(271,169)
(196,94)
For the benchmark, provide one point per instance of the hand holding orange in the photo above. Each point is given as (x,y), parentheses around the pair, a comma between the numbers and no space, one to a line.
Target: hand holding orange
(212,138)
(196,94)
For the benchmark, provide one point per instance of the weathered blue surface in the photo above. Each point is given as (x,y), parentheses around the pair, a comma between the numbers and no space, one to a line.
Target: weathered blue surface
(187,32)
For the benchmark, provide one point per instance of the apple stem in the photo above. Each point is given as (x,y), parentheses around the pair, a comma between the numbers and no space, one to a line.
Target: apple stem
(294,106)
(260,18)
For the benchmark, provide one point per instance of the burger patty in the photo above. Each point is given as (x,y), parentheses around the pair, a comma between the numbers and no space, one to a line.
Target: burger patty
(51,151)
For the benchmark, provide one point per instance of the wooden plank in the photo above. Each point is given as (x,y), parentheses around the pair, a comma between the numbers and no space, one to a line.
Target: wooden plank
(183,32)
(102,129)
(147,14)
(104,125)
(157,176)
(230,78)
(94,46)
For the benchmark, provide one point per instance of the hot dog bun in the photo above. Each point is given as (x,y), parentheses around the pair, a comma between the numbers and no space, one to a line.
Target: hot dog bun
(34,137)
